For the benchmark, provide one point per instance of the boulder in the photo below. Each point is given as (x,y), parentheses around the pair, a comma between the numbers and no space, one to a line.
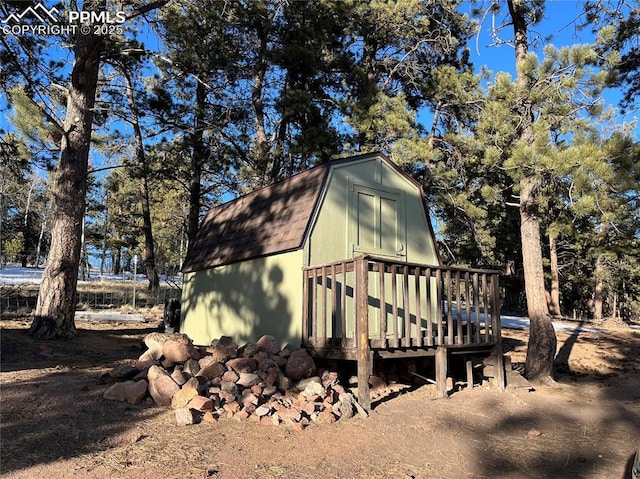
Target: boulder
(209,417)
(191,367)
(313,389)
(210,368)
(300,365)
(243,365)
(179,377)
(262,410)
(230,376)
(161,387)
(132,392)
(248,379)
(182,397)
(123,372)
(303,383)
(178,349)
(249,350)
(154,343)
(223,349)
(185,416)
(201,404)
(229,387)
(268,344)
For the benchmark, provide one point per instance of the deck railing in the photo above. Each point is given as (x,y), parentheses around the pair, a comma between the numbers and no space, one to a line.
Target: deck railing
(398,305)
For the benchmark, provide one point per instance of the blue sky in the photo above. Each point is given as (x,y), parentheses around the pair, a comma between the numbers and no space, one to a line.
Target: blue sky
(560,22)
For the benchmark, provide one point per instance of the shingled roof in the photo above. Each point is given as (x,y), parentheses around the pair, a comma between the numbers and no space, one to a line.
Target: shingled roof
(270,220)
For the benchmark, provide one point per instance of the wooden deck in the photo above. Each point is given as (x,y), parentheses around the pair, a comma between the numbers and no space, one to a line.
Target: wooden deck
(369,307)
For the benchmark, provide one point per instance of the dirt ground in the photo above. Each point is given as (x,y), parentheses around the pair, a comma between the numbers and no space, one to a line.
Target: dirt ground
(55,423)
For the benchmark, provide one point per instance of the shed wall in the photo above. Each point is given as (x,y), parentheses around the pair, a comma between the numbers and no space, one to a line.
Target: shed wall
(245,300)
(335,231)
(331,237)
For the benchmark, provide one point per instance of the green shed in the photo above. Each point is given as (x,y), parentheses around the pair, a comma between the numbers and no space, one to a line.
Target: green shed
(342,260)
(243,275)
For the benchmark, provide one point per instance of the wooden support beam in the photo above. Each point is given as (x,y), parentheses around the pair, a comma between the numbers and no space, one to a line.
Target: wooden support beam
(441,372)
(365,360)
(469,367)
(499,372)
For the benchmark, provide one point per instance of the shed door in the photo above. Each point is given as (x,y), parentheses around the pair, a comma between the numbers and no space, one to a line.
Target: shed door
(377,225)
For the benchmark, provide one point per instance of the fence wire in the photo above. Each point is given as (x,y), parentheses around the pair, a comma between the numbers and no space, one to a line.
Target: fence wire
(23,300)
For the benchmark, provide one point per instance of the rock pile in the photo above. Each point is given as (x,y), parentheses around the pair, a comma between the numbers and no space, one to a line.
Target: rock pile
(258,381)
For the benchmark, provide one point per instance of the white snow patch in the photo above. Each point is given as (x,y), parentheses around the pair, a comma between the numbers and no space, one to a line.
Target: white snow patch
(95,316)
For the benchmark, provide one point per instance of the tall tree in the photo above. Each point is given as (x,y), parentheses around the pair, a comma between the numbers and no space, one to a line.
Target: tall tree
(127,67)
(55,310)
(542,338)
(54,314)
(527,128)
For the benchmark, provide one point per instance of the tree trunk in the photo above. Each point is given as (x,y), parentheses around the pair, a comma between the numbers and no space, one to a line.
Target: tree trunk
(542,339)
(554,303)
(197,162)
(26,235)
(43,228)
(598,304)
(261,151)
(55,310)
(148,255)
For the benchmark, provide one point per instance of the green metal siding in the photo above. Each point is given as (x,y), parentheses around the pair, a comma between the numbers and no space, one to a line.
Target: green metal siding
(245,300)
(335,231)
(332,235)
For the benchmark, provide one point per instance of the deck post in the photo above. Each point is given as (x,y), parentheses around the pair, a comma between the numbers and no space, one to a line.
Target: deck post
(499,372)
(362,332)
(441,372)
(496,324)
(469,368)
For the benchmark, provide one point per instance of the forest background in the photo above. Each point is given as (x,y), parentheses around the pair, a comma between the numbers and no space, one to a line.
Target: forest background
(123,136)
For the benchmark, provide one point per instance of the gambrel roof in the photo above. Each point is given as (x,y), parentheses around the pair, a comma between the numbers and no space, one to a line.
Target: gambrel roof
(271,220)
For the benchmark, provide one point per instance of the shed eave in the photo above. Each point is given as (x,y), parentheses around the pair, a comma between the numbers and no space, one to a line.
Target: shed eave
(242,260)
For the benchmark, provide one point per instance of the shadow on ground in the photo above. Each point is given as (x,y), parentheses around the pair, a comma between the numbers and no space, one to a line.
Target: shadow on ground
(52,405)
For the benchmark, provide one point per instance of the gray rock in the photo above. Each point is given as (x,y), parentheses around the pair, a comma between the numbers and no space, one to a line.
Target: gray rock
(249,350)
(123,372)
(313,389)
(302,384)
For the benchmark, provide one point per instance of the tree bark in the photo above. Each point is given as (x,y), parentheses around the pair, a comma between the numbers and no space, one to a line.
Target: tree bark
(261,152)
(148,255)
(554,303)
(541,348)
(55,310)
(542,339)
(197,162)
(598,303)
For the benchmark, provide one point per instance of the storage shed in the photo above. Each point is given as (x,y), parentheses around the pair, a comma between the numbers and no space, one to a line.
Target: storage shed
(340,258)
